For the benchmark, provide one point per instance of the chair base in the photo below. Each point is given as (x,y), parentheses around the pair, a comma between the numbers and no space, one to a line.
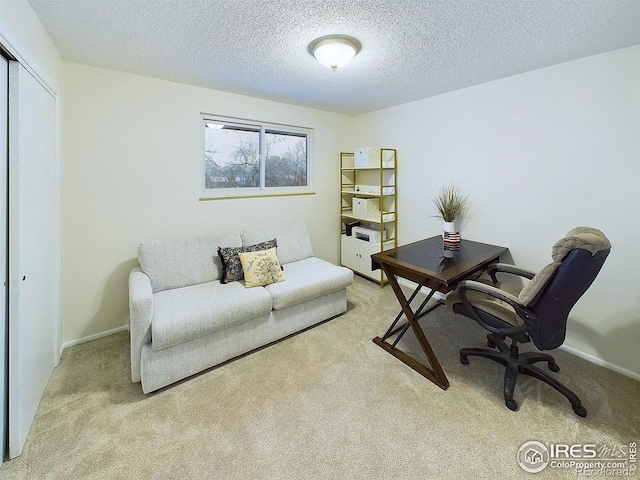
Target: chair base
(516,363)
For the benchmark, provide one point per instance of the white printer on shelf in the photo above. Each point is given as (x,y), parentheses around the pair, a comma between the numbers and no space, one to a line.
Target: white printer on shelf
(369,234)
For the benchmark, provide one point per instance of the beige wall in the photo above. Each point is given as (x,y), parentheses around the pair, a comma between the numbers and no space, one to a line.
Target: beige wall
(539,153)
(132,172)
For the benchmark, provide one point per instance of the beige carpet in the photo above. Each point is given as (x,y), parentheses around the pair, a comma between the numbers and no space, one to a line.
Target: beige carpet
(327,403)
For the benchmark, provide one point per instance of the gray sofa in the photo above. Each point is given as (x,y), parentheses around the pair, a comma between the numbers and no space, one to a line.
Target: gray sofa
(184,320)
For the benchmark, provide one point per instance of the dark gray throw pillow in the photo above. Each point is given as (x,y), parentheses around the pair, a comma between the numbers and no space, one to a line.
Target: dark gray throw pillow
(231,265)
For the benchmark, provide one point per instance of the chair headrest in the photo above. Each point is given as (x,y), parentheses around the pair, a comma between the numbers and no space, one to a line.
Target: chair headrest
(586,238)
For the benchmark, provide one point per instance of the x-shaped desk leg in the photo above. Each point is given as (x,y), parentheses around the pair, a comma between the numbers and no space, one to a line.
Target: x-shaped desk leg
(435,373)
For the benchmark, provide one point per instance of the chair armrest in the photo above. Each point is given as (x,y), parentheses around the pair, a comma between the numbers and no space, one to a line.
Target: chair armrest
(511,269)
(140,316)
(524,313)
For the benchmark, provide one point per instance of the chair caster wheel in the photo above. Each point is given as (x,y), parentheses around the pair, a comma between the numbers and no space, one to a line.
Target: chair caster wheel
(511,404)
(490,343)
(554,367)
(580,411)
(464,360)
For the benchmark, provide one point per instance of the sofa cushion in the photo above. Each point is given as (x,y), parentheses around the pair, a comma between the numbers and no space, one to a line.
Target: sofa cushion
(181,262)
(231,265)
(293,241)
(307,279)
(182,314)
(261,268)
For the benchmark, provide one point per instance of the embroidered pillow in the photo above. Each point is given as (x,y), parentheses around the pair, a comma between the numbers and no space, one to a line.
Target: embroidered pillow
(261,268)
(231,266)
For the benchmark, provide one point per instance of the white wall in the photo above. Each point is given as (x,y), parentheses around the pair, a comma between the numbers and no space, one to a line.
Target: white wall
(539,153)
(132,172)
(24,35)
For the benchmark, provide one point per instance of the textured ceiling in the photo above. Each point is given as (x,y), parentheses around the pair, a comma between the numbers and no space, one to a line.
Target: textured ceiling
(411,49)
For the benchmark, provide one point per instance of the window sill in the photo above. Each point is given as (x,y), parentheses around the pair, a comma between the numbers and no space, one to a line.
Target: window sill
(206,198)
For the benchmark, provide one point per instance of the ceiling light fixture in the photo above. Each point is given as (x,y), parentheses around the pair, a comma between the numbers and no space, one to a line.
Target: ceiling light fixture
(334,51)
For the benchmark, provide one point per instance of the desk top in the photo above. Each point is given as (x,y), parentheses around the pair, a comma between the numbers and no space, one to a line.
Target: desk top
(426,260)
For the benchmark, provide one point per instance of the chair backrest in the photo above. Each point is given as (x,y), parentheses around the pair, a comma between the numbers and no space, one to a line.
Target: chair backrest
(581,254)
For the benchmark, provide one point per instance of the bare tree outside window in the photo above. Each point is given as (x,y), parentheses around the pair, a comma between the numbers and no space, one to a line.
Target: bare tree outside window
(252,156)
(285,160)
(232,157)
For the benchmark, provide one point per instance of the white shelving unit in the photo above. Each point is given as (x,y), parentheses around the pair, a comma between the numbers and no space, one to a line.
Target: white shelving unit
(368,194)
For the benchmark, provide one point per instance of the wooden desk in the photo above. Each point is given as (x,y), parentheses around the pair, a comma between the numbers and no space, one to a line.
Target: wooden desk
(424,262)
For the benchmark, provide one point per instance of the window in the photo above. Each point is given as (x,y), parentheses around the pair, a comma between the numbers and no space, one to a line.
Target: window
(247,158)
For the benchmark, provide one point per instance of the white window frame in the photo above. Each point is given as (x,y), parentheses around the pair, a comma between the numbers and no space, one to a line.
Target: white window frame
(262,190)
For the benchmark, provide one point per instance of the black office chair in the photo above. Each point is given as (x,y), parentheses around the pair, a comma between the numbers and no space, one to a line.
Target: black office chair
(537,312)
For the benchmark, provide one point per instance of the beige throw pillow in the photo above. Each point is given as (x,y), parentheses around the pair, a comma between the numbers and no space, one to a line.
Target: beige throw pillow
(261,268)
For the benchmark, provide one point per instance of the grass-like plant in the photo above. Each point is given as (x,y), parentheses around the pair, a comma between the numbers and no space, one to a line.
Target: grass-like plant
(450,203)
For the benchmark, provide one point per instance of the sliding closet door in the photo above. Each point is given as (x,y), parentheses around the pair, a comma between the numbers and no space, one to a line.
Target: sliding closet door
(33,281)
(4,79)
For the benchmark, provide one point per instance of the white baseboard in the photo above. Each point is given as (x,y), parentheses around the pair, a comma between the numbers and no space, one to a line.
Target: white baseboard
(578,353)
(598,361)
(93,337)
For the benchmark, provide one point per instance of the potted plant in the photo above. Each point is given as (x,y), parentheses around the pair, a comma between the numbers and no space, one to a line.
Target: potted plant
(451,205)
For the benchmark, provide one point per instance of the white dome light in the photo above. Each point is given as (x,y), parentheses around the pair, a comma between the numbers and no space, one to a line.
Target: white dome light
(334,51)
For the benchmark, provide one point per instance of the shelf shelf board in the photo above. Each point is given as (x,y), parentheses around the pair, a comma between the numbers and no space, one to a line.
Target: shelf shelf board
(389,241)
(365,194)
(349,169)
(387,217)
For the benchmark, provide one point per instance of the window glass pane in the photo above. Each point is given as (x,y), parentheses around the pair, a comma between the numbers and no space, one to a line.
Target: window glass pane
(232,156)
(285,159)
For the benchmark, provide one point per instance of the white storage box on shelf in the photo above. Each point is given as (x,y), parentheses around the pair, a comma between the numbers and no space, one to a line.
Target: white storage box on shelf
(366,207)
(366,157)
(370,157)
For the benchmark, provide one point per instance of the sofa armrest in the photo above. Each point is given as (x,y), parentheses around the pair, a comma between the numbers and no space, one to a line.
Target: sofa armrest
(140,315)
